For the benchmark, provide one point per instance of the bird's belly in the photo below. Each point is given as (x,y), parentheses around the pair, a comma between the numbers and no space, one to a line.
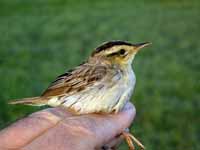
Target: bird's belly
(104,99)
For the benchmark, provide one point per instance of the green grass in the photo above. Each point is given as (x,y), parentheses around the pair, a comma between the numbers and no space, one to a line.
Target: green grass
(40,40)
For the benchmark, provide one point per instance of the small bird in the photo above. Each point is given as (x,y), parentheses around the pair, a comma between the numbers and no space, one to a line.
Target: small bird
(102,84)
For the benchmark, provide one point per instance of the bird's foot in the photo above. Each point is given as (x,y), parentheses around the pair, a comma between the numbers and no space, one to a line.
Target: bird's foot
(130,139)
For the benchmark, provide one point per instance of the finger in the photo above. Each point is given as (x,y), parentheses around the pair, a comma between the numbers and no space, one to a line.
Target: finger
(112,125)
(27,129)
(104,127)
(84,131)
(112,144)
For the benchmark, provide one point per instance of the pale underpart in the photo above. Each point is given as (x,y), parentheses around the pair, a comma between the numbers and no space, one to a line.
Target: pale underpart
(107,95)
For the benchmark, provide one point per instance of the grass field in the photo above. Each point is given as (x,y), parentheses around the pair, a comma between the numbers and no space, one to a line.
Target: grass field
(40,40)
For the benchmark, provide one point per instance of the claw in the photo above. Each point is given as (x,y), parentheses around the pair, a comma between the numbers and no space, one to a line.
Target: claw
(130,139)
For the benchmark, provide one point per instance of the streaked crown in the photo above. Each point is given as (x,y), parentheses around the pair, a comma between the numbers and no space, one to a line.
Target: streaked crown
(107,45)
(118,51)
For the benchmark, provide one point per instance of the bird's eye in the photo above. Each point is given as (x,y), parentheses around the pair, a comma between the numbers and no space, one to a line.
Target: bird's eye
(122,52)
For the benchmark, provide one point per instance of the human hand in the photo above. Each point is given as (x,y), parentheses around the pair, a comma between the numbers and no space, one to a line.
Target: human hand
(55,128)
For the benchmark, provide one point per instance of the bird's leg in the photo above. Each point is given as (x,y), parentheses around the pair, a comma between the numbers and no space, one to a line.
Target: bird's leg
(130,139)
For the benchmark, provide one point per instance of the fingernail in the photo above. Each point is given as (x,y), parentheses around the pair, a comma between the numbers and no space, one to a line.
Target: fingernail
(128,107)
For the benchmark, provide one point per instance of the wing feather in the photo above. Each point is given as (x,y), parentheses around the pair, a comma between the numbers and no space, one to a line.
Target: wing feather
(76,80)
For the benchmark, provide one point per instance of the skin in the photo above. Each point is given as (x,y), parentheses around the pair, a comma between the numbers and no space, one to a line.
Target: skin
(54,128)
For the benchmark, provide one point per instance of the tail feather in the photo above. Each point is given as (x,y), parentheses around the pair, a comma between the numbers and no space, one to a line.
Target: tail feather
(35,101)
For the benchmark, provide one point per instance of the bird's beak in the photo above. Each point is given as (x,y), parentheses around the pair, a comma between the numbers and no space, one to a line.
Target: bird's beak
(141,45)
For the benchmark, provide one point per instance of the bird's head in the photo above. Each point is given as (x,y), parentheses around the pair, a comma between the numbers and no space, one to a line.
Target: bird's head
(118,52)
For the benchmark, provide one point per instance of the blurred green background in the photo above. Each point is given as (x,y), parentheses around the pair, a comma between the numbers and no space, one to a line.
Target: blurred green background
(41,39)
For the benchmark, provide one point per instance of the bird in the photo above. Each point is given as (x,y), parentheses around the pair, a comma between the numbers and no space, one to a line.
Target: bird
(104,83)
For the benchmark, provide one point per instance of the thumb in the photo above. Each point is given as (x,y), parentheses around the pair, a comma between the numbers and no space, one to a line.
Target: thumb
(104,128)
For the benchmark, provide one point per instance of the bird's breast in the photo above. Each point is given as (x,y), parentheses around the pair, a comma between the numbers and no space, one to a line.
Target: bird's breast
(126,86)
(104,96)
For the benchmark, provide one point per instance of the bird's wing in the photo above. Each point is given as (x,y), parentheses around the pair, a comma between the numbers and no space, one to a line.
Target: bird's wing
(76,80)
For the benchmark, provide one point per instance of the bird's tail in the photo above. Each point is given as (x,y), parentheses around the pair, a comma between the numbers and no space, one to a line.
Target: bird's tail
(35,101)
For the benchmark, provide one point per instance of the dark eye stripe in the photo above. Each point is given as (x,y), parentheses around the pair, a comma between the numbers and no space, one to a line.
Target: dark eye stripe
(113,54)
(121,52)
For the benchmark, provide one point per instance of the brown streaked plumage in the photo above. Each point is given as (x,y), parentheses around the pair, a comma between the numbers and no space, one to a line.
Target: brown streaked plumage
(104,83)
(107,45)
(76,80)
